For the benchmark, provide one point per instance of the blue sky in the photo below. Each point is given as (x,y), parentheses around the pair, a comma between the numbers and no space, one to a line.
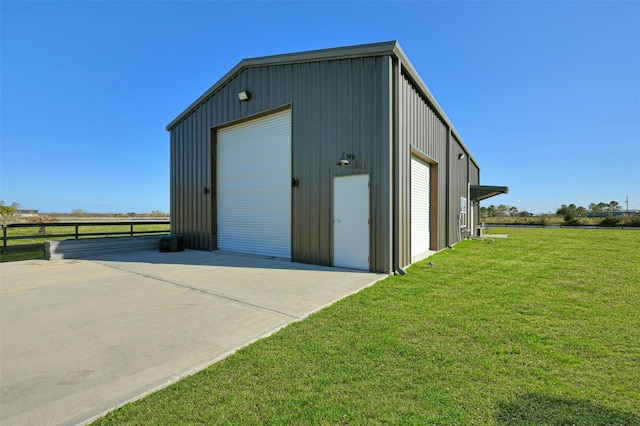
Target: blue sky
(545,94)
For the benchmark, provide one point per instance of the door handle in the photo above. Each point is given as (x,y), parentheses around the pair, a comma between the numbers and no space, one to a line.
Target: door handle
(338,221)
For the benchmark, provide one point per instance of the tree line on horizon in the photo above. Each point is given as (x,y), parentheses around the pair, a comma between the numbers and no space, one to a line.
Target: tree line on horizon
(568,212)
(11,213)
(601,214)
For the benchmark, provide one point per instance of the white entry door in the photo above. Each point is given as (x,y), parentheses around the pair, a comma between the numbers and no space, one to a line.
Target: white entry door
(351,221)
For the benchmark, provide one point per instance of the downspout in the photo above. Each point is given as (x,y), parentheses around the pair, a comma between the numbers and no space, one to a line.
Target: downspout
(395,142)
(447,215)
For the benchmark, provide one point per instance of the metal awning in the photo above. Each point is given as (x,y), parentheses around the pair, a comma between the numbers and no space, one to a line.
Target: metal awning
(481,192)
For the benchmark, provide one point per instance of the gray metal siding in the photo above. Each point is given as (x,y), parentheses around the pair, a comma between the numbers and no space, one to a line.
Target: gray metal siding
(337,105)
(367,101)
(336,108)
(458,185)
(474,179)
(190,175)
(423,129)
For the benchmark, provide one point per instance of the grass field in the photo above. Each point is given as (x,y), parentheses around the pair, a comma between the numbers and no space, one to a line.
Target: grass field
(555,220)
(50,233)
(540,328)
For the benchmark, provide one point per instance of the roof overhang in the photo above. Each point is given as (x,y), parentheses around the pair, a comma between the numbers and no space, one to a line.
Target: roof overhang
(482,192)
(374,49)
(390,48)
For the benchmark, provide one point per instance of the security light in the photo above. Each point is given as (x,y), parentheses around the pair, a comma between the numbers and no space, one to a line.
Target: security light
(244,95)
(344,160)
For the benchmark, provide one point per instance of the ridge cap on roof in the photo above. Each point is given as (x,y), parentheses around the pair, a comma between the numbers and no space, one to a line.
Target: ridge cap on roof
(354,51)
(360,50)
(321,54)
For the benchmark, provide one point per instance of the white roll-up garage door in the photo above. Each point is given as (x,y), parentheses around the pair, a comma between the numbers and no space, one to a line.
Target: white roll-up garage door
(420,207)
(253,175)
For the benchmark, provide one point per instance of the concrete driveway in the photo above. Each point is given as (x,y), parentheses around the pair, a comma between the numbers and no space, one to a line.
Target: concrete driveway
(82,337)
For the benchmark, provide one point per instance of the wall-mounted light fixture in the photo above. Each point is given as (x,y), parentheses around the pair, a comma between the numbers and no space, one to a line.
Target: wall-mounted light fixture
(460,156)
(244,95)
(345,159)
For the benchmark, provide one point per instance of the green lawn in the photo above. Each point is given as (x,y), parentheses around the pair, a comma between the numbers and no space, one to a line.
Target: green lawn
(539,328)
(50,232)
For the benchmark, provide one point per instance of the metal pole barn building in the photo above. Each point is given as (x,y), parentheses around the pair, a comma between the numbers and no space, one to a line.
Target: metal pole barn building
(336,157)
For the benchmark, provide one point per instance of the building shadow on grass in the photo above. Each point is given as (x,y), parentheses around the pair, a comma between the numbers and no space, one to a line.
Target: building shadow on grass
(539,409)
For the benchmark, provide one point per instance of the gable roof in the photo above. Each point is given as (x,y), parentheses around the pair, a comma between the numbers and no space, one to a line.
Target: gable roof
(376,49)
(391,48)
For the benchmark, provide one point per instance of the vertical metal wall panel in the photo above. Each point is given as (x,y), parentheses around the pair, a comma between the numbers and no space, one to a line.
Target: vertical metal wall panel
(474,179)
(332,115)
(380,136)
(189,205)
(177,213)
(458,185)
(172,176)
(190,175)
(335,107)
(374,107)
(422,128)
(409,114)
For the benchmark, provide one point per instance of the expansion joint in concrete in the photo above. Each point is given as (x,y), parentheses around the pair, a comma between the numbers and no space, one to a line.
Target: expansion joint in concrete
(200,290)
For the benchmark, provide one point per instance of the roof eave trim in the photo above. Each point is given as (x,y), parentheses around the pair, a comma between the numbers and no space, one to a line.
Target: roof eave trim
(373,49)
(415,76)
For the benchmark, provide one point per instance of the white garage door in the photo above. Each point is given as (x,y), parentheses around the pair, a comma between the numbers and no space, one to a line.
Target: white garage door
(420,207)
(253,175)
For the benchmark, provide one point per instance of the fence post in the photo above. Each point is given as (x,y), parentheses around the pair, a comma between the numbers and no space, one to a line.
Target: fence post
(4,247)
